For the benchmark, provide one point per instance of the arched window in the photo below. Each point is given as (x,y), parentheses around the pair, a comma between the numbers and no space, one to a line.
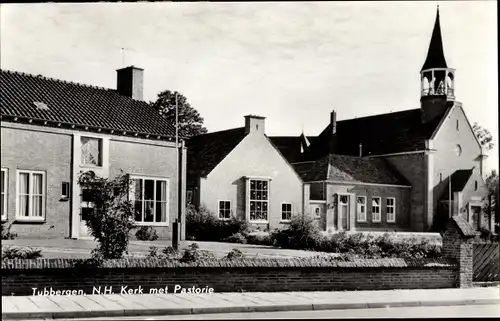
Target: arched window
(426,86)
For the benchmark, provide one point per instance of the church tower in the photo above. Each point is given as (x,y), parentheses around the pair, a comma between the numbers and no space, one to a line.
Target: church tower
(436,78)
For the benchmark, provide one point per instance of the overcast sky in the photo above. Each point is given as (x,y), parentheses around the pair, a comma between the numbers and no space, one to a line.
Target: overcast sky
(292,62)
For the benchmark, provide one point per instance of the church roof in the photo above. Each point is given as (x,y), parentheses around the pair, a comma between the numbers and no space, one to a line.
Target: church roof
(292,146)
(389,133)
(435,55)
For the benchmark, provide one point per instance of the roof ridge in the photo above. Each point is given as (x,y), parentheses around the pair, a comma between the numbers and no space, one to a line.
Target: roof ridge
(378,115)
(40,76)
(217,132)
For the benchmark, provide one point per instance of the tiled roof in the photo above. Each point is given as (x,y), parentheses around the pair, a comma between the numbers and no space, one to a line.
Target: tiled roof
(77,104)
(206,151)
(458,181)
(290,146)
(350,169)
(380,134)
(464,227)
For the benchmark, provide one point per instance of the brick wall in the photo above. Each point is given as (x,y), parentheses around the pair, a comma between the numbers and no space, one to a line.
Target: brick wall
(234,277)
(403,209)
(40,151)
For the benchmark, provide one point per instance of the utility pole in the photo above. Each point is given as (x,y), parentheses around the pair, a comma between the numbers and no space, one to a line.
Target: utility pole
(176,231)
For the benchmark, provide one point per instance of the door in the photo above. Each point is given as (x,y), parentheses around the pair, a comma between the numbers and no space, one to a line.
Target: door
(86,209)
(343,210)
(476,217)
(318,213)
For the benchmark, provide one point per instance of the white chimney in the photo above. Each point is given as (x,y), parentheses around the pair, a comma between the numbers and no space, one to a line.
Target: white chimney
(255,124)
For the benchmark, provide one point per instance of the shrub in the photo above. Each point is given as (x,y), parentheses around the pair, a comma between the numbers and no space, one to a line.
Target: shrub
(193,254)
(153,251)
(9,252)
(203,225)
(301,233)
(113,216)
(6,234)
(146,233)
(236,238)
(234,254)
(171,254)
(259,239)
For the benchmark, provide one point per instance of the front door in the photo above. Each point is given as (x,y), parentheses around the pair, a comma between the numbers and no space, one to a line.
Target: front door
(343,210)
(476,217)
(86,209)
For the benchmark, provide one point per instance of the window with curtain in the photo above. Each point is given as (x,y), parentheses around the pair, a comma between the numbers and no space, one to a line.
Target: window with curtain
(376,209)
(361,208)
(31,195)
(286,211)
(149,197)
(391,209)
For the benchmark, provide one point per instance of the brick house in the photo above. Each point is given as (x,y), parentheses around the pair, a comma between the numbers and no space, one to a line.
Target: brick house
(52,130)
(343,188)
(430,147)
(241,172)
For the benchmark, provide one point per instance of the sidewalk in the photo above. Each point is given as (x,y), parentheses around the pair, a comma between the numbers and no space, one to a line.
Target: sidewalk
(40,307)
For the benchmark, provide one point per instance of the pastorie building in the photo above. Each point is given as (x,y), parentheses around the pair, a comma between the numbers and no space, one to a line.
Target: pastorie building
(53,130)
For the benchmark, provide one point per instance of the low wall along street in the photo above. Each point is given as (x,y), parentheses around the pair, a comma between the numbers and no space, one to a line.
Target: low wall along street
(62,277)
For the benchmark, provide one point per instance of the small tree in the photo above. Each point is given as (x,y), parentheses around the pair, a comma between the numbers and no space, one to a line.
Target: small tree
(190,120)
(113,216)
(491,206)
(484,136)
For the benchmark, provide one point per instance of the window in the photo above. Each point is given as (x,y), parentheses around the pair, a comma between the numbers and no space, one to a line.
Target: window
(457,125)
(149,196)
(440,177)
(361,208)
(458,150)
(391,209)
(91,150)
(3,201)
(475,185)
(224,210)
(30,195)
(259,199)
(286,211)
(376,209)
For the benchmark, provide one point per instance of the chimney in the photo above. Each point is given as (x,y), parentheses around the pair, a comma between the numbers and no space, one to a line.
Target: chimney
(333,137)
(130,82)
(333,121)
(255,124)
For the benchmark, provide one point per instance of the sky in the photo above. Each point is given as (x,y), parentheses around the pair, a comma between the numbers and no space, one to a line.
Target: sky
(292,62)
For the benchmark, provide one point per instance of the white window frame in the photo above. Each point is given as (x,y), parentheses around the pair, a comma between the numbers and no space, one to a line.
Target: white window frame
(358,212)
(5,193)
(249,199)
(379,209)
(100,160)
(291,211)
(30,197)
(167,198)
(393,206)
(219,209)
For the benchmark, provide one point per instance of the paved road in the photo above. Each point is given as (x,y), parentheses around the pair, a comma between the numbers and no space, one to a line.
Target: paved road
(413,312)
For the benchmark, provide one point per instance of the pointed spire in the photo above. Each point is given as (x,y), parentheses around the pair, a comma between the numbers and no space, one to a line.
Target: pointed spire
(435,55)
